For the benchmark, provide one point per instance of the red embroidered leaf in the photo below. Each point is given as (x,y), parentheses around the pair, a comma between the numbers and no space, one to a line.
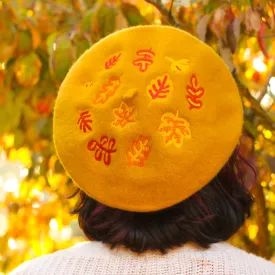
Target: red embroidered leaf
(112,62)
(160,87)
(145,58)
(103,149)
(194,93)
(84,122)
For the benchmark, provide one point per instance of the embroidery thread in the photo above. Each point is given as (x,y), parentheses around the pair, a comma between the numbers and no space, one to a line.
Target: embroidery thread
(174,129)
(139,151)
(84,121)
(145,58)
(194,93)
(124,115)
(107,90)
(112,62)
(87,84)
(160,87)
(178,65)
(103,149)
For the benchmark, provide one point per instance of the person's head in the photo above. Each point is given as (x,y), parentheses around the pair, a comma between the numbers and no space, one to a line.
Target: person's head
(211,215)
(145,128)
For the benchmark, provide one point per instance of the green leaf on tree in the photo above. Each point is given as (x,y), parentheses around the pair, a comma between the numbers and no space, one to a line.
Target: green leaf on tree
(106,18)
(132,14)
(61,58)
(24,42)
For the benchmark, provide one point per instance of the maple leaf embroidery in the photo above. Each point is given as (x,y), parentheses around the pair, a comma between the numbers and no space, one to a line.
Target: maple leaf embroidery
(178,65)
(194,93)
(112,62)
(84,121)
(174,129)
(139,151)
(107,90)
(123,115)
(160,87)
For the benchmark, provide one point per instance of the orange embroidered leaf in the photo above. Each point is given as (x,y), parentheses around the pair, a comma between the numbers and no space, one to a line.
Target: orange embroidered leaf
(160,87)
(84,122)
(139,151)
(178,65)
(87,84)
(107,90)
(123,115)
(194,93)
(112,62)
(145,58)
(174,129)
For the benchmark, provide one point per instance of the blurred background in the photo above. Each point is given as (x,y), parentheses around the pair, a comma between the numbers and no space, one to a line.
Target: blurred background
(41,39)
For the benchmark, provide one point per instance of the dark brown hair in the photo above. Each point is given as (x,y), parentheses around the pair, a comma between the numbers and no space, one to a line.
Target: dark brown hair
(211,215)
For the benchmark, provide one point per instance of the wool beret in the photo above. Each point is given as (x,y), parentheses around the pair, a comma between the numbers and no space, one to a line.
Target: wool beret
(146,117)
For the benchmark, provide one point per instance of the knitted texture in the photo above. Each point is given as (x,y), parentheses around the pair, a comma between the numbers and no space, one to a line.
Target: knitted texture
(94,258)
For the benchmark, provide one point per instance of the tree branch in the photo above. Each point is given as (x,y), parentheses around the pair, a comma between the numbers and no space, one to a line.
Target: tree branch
(165,12)
(264,89)
(255,105)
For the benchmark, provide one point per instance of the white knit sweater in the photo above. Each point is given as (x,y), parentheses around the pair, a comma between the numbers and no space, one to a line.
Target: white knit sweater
(94,258)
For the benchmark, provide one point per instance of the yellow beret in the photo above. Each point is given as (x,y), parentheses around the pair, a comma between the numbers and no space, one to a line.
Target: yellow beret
(146,117)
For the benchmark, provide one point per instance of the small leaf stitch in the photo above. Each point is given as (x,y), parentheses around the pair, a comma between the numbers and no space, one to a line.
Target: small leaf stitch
(88,84)
(178,65)
(139,151)
(145,59)
(112,62)
(194,93)
(160,87)
(174,129)
(107,90)
(103,149)
(123,115)
(84,121)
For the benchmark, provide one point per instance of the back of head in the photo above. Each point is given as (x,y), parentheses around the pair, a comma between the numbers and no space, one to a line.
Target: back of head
(150,138)
(211,215)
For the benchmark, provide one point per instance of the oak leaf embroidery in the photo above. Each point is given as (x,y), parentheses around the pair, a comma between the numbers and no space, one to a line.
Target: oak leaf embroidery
(174,129)
(84,121)
(139,151)
(178,65)
(112,61)
(103,149)
(194,93)
(145,58)
(160,87)
(107,90)
(124,115)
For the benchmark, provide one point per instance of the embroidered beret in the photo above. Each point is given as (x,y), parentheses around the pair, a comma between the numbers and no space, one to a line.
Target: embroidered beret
(146,117)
